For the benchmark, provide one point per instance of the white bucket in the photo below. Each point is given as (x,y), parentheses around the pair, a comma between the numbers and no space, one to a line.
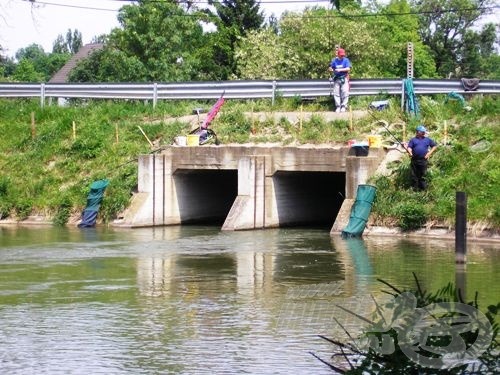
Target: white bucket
(181,140)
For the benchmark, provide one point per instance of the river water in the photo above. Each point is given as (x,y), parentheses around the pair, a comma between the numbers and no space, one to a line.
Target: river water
(195,300)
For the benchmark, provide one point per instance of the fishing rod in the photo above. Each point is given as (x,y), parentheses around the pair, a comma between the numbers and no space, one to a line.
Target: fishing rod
(390,133)
(136,158)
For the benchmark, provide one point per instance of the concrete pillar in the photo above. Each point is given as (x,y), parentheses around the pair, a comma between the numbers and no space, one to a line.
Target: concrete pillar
(248,210)
(358,170)
(156,203)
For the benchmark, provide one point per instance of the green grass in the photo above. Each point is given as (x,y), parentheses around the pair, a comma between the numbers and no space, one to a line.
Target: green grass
(47,169)
(454,167)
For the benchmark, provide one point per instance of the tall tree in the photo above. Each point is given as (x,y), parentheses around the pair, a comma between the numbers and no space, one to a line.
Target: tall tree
(244,15)
(235,19)
(59,45)
(160,40)
(69,44)
(304,47)
(163,36)
(443,25)
(341,4)
(477,52)
(74,40)
(394,31)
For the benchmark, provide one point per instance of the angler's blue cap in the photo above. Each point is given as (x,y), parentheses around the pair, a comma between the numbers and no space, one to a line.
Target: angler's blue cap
(421,128)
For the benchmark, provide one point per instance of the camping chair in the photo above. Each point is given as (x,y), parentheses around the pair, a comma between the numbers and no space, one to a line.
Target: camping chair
(203,131)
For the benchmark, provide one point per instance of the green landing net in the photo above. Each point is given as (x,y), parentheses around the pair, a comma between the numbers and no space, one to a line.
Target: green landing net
(360,211)
(94,199)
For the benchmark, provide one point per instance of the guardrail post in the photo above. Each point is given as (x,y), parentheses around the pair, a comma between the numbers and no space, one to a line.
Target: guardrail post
(274,93)
(42,95)
(402,94)
(155,94)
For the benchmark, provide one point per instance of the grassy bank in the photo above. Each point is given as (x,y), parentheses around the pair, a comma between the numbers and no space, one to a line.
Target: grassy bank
(49,156)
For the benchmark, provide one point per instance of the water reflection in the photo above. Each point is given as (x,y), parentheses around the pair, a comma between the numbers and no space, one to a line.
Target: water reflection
(196,300)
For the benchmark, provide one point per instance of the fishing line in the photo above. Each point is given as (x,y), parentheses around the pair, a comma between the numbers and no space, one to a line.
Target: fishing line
(390,133)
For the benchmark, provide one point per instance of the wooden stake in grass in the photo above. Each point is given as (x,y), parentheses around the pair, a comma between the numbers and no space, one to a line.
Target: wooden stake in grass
(145,136)
(445,135)
(33,126)
(301,116)
(252,129)
(351,126)
(74,130)
(116,132)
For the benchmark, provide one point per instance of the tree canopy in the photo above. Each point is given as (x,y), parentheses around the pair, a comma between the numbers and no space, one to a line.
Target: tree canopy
(444,26)
(163,40)
(35,65)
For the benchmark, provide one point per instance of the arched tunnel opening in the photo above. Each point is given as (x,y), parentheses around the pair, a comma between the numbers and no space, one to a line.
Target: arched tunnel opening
(309,198)
(205,196)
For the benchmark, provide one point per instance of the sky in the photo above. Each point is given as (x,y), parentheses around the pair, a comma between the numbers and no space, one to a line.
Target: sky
(22,23)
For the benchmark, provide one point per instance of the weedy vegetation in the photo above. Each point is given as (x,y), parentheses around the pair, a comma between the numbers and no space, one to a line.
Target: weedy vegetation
(49,156)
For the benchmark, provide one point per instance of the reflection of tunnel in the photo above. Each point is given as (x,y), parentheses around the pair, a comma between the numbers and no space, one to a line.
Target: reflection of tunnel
(205,195)
(308,198)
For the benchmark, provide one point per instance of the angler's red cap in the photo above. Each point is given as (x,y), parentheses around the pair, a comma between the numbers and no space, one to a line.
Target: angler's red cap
(341,52)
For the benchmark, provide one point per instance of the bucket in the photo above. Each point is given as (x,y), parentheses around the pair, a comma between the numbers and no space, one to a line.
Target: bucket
(193,140)
(361,150)
(375,141)
(181,140)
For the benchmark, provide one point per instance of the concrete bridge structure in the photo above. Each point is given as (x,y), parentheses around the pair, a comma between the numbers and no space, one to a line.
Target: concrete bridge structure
(249,187)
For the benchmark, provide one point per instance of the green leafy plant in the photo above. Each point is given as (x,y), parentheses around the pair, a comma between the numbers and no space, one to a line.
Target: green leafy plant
(4,185)
(63,213)
(23,208)
(411,216)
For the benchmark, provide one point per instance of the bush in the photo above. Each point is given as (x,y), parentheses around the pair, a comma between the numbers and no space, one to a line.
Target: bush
(63,213)
(4,185)
(23,208)
(411,216)
(5,208)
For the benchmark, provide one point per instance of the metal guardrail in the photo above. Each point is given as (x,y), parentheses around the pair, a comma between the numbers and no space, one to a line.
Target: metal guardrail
(234,89)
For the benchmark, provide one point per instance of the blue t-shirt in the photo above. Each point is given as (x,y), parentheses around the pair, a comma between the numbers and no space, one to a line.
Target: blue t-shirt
(420,146)
(340,63)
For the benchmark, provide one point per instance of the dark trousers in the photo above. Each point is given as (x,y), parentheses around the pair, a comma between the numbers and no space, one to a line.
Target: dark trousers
(418,171)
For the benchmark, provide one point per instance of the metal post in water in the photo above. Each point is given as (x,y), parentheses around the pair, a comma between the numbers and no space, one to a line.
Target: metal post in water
(461,281)
(460,227)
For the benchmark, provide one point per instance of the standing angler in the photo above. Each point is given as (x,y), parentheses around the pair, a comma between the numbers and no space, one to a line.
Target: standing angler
(340,67)
(420,148)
